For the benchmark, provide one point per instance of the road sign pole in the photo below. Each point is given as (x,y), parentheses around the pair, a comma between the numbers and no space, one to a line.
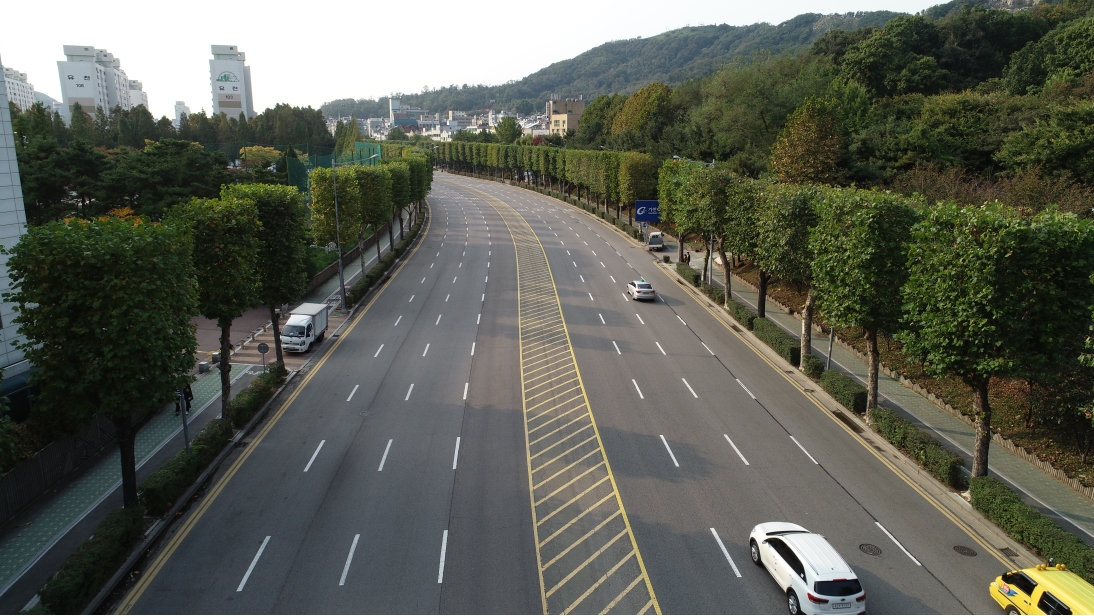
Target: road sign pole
(185,405)
(263,348)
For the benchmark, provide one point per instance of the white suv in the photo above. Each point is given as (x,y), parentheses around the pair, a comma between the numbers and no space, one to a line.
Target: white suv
(813,575)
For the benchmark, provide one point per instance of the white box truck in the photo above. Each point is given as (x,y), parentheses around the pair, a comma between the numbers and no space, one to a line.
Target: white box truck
(307,324)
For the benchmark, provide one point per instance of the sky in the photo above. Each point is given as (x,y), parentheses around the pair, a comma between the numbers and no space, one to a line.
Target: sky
(304,54)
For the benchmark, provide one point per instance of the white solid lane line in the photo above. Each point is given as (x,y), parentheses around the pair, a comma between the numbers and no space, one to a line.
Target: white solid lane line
(681,320)
(354,390)
(616,348)
(745,388)
(408,392)
(472,348)
(725,552)
(379,349)
(706,347)
(456,454)
(384,459)
(465,385)
(660,349)
(601,319)
(426,349)
(438,320)
(254,562)
(639,319)
(898,544)
(444,546)
(349,559)
(314,454)
(803,450)
(669,449)
(639,390)
(689,388)
(737,450)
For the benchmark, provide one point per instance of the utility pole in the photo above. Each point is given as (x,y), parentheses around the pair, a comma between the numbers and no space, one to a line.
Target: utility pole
(338,227)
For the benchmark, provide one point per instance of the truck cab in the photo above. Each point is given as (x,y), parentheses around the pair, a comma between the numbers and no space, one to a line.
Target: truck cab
(307,324)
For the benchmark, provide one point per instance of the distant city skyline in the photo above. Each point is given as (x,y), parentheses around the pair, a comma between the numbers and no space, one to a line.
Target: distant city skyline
(295,63)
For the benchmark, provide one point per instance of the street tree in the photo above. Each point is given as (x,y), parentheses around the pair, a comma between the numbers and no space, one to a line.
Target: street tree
(226,250)
(810,145)
(374,188)
(508,130)
(859,264)
(784,216)
(994,294)
(282,249)
(400,192)
(105,306)
(739,231)
(162,175)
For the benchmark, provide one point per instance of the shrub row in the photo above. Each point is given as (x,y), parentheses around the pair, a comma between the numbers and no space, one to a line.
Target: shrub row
(741,313)
(1003,507)
(845,390)
(714,293)
(165,486)
(944,464)
(83,574)
(812,366)
(254,396)
(784,344)
(689,274)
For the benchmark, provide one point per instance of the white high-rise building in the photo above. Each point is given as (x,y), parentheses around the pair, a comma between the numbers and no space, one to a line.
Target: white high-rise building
(137,95)
(13,224)
(180,110)
(92,77)
(230,79)
(19,91)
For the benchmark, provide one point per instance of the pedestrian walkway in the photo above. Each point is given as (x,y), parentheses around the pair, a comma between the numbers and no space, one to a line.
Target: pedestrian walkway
(1053,496)
(21,548)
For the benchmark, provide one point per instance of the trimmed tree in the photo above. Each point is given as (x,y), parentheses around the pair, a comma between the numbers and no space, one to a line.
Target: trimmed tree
(810,145)
(994,294)
(859,264)
(105,307)
(226,249)
(784,216)
(282,248)
(739,231)
(374,188)
(401,193)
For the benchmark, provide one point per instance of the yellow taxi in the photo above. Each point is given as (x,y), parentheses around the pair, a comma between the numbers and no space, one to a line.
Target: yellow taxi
(1044,589)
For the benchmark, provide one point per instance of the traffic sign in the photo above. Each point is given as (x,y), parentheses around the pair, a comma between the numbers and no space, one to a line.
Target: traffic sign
(263,348)
(647,210)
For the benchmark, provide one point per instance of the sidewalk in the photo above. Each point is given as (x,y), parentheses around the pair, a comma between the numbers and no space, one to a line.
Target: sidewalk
(1056,500)
(37,530)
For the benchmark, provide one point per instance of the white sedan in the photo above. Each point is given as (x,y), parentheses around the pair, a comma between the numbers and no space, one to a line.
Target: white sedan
(640,289)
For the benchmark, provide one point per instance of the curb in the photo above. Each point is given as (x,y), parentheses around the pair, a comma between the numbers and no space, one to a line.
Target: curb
(933,490)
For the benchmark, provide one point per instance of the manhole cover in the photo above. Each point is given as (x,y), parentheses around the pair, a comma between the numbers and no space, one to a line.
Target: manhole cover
(1008,552)
(871,549)
(964,551)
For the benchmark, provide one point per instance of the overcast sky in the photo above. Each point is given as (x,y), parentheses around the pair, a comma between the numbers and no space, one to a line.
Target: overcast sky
(306,54)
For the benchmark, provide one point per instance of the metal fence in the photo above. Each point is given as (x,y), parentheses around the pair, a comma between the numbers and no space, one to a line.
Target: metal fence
(26,482)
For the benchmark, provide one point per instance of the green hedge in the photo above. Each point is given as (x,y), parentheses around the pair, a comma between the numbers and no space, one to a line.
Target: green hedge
(689,274)
(1003,507)
(845,390)
(163,487)
(254,396)
(784,344)
(812,366)
(741,313)
(714,293)
(944,464)
(83,574)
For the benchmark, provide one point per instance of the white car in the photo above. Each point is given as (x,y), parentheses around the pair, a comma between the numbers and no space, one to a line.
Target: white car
(808,569)
(640,289)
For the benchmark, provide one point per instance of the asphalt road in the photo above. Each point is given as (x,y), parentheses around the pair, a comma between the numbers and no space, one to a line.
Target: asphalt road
(397,478)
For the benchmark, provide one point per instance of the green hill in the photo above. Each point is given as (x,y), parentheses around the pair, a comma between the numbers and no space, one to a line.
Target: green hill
(625,66)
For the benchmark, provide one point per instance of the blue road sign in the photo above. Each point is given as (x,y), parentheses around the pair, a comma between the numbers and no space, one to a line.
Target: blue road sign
(646,211)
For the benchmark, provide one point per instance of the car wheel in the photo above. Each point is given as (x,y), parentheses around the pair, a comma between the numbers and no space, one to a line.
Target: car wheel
(1013,610)
(754,550)
(792,603)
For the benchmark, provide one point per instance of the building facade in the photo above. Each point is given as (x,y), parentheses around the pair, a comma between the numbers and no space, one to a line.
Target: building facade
(180,110)
(13,224)
(564,114)
(93,78)
(19,90)
(230,79)
(137,95)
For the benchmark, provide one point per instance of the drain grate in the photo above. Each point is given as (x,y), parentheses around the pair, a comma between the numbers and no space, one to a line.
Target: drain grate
(870,549)
(964,551)
(1009,553)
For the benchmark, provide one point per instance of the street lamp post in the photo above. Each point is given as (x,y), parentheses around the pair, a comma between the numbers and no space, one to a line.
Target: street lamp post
(338,229)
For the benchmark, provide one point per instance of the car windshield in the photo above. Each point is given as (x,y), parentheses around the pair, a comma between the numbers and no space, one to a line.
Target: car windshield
(643,285)
(838,588)
(293,330)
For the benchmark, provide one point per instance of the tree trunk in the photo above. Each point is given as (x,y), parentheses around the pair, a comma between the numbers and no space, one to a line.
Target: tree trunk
(761,299)
(872,360)
(680,247)
(277,333)
(225,370)
(727,273)
(391,235)
(361,249)
(981,410)
(807,327)
(124,432)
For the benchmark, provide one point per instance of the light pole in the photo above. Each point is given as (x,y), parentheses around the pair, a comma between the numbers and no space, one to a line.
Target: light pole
(338,229)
